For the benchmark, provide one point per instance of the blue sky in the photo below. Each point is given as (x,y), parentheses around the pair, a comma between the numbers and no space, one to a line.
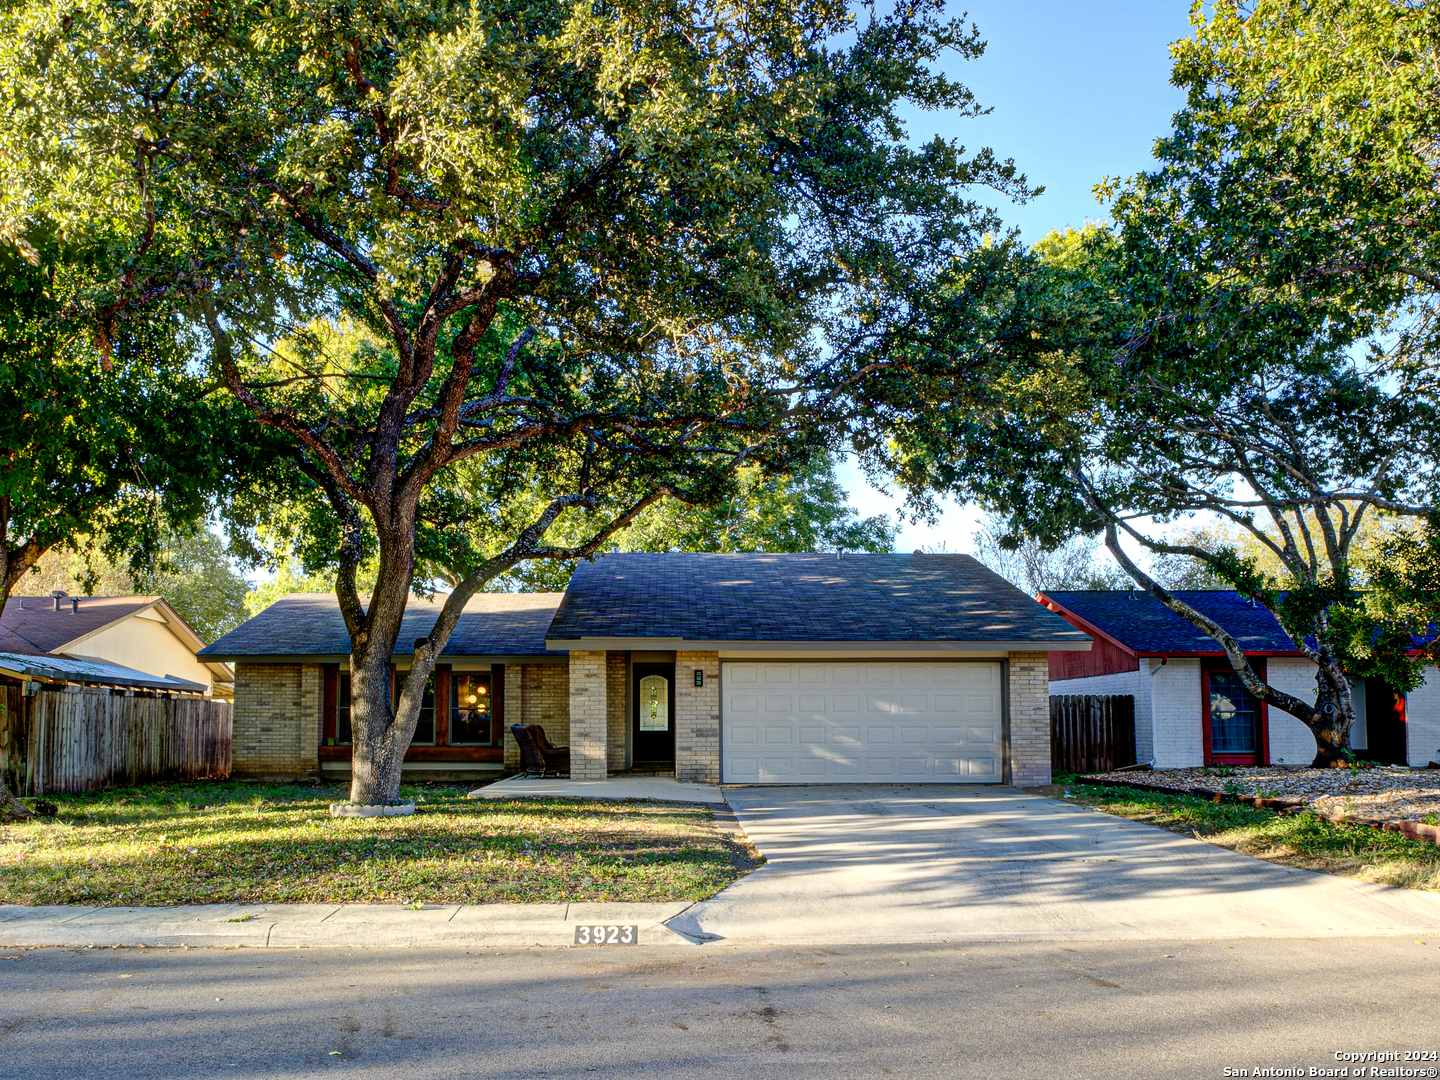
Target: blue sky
(1080,91)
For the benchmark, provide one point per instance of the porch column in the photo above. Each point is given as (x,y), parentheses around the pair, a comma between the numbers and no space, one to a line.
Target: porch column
(1029,719)
(697,717)
(588,735)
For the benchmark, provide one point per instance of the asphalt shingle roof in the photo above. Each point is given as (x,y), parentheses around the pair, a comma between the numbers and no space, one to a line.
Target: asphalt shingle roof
(95,672)
(1139,621)
(310,624)
(784,597)
(31,626)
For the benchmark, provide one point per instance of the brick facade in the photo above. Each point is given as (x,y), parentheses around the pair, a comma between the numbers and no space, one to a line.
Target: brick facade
(1029,692)
(617,709)
(589,717)
(276,720)
(536,694)
(697,718)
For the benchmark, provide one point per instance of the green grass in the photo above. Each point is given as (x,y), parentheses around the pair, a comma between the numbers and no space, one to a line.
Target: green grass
(1302,840)
(221,842)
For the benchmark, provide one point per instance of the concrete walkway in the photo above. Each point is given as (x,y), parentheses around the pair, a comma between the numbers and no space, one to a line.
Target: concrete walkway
(329,925)
(658,788)
(873,864)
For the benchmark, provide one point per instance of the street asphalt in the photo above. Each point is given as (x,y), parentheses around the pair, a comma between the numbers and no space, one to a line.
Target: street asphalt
(926,933)
(1113,1010)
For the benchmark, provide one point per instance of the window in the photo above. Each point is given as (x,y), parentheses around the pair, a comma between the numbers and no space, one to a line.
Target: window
(425,725)
(1234,716)
(471,709)
(342,711)
(654,703)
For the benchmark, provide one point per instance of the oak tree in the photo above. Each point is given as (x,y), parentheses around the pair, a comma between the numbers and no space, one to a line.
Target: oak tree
(497,265)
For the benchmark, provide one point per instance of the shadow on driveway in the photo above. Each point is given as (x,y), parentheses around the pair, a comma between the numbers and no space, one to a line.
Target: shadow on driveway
(945,863)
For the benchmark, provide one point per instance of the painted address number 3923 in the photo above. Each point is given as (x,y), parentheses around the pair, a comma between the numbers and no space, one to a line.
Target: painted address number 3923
(596,934)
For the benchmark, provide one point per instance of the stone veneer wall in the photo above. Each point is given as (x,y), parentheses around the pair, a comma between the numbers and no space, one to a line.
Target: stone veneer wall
(276,720)
(588,714)
(1029,719)
(697,718)
(616,710)
(536,694)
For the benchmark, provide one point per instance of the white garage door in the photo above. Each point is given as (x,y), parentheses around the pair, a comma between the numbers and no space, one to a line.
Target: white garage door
(876,722)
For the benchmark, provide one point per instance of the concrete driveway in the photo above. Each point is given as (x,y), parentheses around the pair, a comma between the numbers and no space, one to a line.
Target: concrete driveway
(882,864)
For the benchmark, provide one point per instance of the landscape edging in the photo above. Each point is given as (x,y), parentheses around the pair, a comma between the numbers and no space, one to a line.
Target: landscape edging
(1415,830)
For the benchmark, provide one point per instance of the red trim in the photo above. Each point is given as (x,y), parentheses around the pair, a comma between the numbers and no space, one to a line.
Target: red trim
(442,704)
(1261,758)
(497,704)
(1083,624)
(426,753)
(330,702)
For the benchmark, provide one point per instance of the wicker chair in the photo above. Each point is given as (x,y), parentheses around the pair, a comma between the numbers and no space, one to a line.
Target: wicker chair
(533,757)
(556,757)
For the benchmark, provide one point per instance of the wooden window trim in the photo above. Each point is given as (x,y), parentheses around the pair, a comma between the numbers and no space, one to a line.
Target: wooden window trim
(1262,757)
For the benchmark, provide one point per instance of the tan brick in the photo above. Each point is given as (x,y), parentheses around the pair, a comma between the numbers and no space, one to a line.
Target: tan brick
(589,718)
(1029,696)
(697,718)
(536,694)
(277,720)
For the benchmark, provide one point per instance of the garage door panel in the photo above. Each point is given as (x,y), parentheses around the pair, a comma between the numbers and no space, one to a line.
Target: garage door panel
(743,706)
(744,735)
(917,721)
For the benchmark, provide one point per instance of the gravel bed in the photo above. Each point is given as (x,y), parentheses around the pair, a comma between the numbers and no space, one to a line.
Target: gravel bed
(1381,793)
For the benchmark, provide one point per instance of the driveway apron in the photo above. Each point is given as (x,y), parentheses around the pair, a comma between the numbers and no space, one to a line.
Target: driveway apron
(879,864)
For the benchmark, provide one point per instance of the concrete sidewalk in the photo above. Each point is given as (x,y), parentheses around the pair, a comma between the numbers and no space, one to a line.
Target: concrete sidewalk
(329,925)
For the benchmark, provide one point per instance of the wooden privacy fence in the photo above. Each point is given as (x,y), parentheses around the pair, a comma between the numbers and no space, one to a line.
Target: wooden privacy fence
(1090,733)
(94,739)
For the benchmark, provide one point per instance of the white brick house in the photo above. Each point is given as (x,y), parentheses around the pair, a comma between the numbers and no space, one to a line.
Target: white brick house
(1189,708)
(751,668)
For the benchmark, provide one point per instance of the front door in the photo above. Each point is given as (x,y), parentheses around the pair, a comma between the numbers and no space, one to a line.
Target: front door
(652,718)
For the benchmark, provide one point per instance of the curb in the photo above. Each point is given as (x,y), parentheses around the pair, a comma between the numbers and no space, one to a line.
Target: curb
(334,925)
(1414,830)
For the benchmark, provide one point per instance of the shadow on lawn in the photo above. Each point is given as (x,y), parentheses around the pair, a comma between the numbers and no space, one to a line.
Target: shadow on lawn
(229,842)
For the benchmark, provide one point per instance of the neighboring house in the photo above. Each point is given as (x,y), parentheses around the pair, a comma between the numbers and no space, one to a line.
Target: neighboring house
(1190,708)
(723,668)
(136,642)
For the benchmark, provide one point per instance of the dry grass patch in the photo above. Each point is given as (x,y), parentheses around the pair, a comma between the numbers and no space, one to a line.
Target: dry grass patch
(208,843)
(1301,840)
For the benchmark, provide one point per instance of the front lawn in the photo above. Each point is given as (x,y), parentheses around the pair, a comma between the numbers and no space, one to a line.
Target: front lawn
(1301,840)
(228,842)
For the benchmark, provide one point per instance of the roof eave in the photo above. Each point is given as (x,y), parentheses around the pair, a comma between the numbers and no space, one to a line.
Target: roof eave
(344,658)
(1198,653)
(765,645)
(1081,623)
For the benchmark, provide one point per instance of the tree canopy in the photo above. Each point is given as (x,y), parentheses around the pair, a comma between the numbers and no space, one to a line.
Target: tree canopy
(493,266)
(1251,342)
(191,569)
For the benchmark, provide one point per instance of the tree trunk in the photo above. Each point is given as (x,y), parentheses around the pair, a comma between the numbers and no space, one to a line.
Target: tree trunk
(1333,716)
(10,806)
(377,754)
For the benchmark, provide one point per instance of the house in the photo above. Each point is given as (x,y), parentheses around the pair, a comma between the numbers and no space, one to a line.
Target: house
(1190,708)
(720,668)
(137,642)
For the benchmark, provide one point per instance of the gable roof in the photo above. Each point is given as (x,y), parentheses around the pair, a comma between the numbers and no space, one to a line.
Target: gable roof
(1147,627)
(30,625)
(91,672)
(310,624)
(666,598)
